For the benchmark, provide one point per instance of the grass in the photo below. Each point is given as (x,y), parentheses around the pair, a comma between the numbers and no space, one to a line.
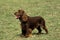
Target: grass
(48,9)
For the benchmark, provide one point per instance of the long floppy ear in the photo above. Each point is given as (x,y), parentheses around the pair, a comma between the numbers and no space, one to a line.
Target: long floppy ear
(24,17)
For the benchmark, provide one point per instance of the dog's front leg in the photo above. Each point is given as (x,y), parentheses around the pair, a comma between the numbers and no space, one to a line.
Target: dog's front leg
(23,27)
(28,31)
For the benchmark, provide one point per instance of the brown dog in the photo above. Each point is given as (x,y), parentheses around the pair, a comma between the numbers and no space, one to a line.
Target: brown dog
(30,23)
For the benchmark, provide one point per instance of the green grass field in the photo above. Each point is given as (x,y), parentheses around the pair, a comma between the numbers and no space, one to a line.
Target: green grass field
(10,26)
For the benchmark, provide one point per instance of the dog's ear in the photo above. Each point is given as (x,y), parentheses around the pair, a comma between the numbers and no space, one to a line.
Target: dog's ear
(24,17)
(21,11)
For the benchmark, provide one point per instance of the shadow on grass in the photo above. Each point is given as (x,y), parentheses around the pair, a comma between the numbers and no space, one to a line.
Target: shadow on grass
(20,35)
(38,33)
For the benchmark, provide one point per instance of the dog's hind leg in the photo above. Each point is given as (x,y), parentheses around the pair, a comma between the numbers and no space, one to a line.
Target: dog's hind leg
(44,27)
(39,29)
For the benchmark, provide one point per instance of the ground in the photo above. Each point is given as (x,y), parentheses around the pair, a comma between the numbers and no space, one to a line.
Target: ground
(10,28)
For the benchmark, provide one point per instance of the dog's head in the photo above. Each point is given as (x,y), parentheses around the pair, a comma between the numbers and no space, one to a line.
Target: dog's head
(20,14)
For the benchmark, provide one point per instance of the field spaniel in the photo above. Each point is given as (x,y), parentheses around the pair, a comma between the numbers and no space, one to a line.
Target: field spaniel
(29,23)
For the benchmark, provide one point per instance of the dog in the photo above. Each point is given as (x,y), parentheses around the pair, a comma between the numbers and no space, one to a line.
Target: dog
(28,24)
